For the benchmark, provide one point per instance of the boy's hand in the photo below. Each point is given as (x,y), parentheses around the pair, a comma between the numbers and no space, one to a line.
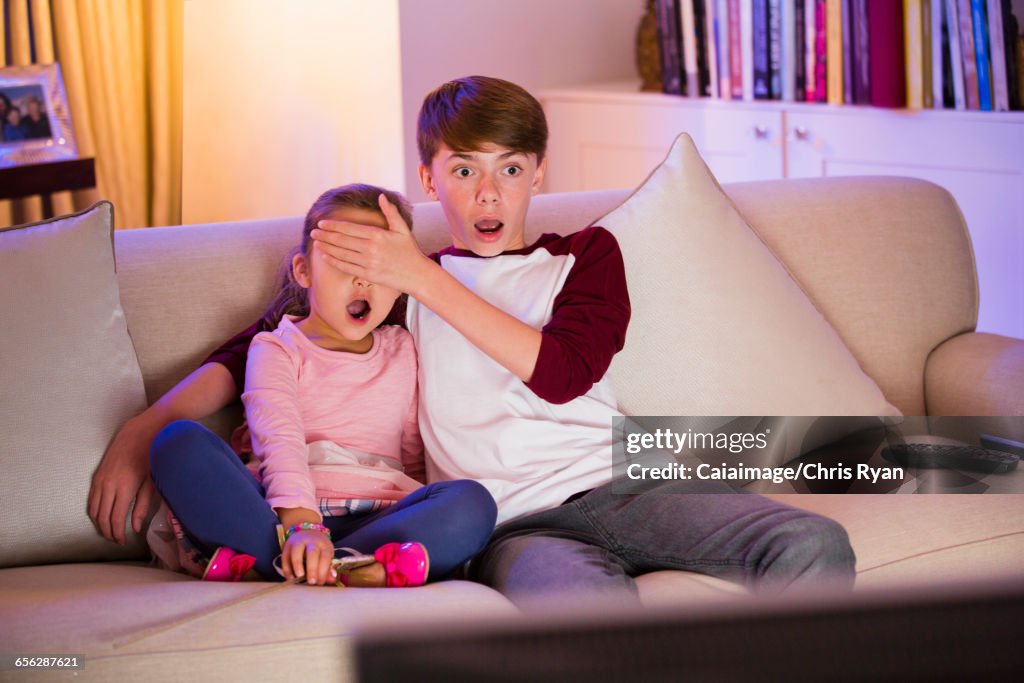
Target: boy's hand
(121,478)
(390,258)
(308,554)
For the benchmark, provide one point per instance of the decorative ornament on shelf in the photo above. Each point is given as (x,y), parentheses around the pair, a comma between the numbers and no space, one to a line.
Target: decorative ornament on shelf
(648,54)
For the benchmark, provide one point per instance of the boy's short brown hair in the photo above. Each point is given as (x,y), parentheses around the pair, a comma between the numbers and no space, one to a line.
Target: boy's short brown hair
(469,112)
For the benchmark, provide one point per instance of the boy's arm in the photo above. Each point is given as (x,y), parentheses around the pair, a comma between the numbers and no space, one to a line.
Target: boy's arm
(122,476)
(574,349)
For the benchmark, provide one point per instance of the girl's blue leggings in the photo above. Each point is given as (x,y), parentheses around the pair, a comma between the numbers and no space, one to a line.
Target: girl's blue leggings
(220,503)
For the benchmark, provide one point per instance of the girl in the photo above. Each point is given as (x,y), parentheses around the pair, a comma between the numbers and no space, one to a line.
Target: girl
(331,404)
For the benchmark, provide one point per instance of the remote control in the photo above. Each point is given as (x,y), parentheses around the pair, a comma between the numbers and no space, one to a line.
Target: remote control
(936,456)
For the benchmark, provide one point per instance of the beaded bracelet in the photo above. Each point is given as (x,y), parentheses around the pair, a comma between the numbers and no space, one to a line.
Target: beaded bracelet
(306,526)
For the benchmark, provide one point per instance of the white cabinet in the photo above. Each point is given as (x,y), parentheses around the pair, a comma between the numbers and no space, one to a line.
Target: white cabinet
(611,136)
(608,138)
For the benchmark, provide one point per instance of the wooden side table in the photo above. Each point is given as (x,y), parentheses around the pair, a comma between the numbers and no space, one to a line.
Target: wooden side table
(46,178)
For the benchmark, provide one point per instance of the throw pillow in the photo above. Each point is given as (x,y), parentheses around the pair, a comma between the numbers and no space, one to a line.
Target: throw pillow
(719,327)
(69,378)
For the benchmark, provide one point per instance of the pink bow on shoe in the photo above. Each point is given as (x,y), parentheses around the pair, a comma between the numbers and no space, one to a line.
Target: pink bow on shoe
(405,564)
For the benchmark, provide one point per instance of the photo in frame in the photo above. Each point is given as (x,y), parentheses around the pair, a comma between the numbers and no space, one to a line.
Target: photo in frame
(35,121)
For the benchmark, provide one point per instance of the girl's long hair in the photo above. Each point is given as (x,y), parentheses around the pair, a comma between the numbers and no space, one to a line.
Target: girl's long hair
(290,297)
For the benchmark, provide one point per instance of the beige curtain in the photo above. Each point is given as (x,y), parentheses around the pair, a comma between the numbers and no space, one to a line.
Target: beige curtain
(122,66)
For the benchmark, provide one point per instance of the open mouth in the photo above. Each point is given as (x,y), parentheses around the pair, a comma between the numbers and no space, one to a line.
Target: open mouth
(488,227)
(359,309)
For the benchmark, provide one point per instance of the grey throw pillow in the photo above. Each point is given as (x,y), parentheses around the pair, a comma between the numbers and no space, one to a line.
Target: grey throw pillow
(69,378)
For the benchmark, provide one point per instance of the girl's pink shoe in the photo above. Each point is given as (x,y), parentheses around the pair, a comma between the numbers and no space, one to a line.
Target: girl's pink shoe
(405,564)
(228,565)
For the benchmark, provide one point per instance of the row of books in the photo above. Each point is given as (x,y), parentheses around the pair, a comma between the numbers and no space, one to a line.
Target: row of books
(920,54)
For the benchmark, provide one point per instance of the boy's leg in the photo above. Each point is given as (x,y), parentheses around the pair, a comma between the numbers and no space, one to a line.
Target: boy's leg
(216,499)
(744,538)
(452,519)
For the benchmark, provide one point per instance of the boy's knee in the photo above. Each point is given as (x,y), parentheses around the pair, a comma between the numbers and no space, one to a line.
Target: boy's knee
(818,547)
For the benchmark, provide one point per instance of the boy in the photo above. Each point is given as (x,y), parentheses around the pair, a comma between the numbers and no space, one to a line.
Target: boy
(514,343)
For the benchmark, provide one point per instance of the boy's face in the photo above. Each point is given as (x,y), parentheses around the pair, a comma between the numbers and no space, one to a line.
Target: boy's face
(485,195)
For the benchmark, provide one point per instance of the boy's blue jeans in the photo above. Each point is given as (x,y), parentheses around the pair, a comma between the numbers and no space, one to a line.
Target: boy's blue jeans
(600,541)
(219,502)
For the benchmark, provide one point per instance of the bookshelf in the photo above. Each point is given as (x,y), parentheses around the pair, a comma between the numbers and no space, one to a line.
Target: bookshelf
(610,135)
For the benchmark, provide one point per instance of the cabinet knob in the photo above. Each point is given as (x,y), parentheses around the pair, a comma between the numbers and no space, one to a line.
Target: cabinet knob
(801,133)
(761,132)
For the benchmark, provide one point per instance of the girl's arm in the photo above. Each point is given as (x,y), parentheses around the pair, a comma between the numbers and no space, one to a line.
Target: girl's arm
(123,474)
(275,424)
(274,415)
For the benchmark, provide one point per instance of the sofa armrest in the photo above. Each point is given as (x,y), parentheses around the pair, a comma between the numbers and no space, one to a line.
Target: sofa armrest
(976,373)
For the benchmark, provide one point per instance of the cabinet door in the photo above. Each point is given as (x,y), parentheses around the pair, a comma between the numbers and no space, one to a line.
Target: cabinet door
(979,158)
(613,144)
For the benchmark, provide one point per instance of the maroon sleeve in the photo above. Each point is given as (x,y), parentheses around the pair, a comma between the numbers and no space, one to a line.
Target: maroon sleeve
(233,353)
(588,321)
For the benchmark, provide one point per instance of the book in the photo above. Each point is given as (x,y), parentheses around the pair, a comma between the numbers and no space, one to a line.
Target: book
(834,50)
(981,54)
(669,46)
(861,53)
(689,38)
(938,58)
(963,9)
(1014,69)
(700,42)
(997,51)
(735,51)
(810,53)
(787,20)
(955,56)
(821,75)
(799,51)
(847,23)
(926,54)
(888,71)
(761,51)
(747,48)
(710,46)
(912,45)
(722,49)
(775,48)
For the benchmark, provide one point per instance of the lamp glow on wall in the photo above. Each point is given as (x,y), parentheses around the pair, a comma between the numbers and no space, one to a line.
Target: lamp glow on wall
(285,100)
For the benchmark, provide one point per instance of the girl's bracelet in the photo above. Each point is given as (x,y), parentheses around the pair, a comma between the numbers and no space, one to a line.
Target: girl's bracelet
(306,526)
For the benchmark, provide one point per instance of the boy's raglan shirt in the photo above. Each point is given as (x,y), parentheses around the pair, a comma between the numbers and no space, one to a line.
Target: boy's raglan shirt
(531,444)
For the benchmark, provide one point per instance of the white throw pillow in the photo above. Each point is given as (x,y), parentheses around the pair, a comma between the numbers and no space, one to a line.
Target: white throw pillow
(719,327)
(69,378)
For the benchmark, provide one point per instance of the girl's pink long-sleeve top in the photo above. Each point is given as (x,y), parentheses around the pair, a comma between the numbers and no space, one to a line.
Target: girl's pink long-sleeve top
(364,406)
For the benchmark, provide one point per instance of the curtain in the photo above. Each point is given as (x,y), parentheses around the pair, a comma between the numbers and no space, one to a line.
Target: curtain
(122,65)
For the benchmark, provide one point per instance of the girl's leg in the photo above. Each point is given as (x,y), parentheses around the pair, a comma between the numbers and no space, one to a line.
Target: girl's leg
(216,499)
(452,519)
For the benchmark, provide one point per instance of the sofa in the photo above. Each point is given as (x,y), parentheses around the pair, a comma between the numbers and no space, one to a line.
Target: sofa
(886,261)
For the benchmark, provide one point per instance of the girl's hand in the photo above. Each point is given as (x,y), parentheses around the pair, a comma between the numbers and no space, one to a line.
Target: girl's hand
(309,554)
(390,258)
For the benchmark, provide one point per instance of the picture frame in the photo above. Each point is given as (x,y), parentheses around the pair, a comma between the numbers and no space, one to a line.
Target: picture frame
(41,130)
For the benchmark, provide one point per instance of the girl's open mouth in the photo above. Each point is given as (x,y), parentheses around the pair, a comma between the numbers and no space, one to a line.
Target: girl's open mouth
(359,309)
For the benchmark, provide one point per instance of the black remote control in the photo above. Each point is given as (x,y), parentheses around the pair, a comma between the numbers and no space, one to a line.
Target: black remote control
(937,456)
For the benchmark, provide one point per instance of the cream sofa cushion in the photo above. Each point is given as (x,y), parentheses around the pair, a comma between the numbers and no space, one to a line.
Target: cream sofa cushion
(68,380)
(734,334)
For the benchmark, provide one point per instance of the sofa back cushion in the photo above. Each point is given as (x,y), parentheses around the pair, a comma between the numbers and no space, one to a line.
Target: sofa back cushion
(68,379)
(886,260)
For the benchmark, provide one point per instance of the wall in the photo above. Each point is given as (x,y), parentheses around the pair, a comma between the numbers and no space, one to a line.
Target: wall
(535,43)
(283,100)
